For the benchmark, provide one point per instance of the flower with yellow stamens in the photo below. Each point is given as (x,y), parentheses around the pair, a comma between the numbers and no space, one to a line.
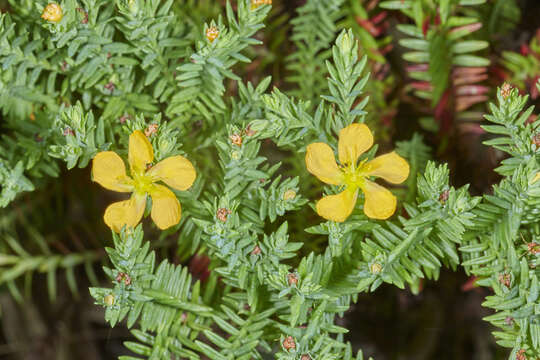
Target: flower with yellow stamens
(109,171)
(52,12)
(354,140)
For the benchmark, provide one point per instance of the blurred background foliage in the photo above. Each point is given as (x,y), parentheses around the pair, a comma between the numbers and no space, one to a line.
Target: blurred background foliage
(55,235)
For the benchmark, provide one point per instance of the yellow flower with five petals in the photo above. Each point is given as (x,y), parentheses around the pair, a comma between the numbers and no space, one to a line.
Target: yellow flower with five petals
(354,140)
(109,171)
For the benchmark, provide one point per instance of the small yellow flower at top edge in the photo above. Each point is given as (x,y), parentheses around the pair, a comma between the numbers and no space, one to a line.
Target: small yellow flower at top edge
(52,12)
(256,3)
(109,171)
(354,140)
(536,177)
(289,195)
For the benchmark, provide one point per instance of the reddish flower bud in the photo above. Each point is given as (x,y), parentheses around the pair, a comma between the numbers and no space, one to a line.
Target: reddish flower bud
(289,343)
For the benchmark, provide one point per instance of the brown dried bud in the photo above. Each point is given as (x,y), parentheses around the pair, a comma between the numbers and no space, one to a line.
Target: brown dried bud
(68,131)
(32,117)
(505,279)
(443,197)
(123,277)
(509,320)
(521,355)
(109,86)
(52,12)
(222,214)
(305,357)
(183,317)
(536,140)
(256,250)
(84,14)
(292,279)
(123,118)
(533,248)
(506,90)
(236,139)
(151,130)
(289,343)
(249,131)
(212,33)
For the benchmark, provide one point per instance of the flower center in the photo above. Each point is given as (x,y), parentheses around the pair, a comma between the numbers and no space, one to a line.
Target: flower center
(142,182)
(354,175)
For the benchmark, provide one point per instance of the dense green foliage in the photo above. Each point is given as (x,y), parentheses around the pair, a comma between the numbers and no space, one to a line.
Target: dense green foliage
(278,278)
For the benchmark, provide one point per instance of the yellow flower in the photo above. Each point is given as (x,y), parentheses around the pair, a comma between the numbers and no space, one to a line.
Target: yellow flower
(109,171)
(52,12)
(354,140)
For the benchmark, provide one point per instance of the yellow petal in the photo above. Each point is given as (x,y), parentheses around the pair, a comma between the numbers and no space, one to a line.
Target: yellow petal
(391,167)
(140,151)
(337,207)
(354,140)
(380,202)
(109,171)
(166,210)
(320,161)
(536,177)
(128,212)
(176,171)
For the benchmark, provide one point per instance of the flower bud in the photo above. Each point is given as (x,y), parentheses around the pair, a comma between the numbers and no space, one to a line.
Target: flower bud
(533,248)
(292,279)
(443,197)
(236,139)
(212,33)
(222,214)
(151,130)
(506,90)
(289,343)
(375,268)
(505,279)
(521,355)
(109,300)
(256,250)
(289,195)
(236,155)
